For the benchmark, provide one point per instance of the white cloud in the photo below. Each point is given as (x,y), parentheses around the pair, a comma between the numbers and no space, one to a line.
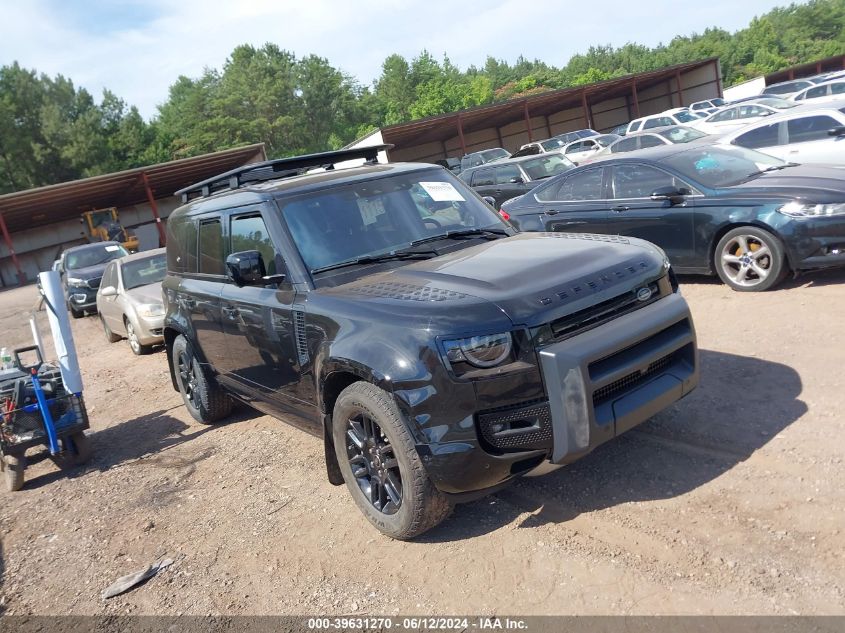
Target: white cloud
(140,61)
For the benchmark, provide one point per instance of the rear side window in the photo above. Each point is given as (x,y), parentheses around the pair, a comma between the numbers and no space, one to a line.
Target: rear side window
(658,122)
(650,140)
(639,181)
(182,245)
(818,91)
(626,145)
(483,177)
(837,89)
(211,248)
(110,276)
(810,128)
(584,186)
(763,136)
(636,126)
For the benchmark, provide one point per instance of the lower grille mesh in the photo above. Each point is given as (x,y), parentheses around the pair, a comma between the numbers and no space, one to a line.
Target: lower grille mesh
(536,433)
(632,379)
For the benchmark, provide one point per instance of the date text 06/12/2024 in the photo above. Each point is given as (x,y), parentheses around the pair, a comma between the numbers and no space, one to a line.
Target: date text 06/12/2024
(418,623)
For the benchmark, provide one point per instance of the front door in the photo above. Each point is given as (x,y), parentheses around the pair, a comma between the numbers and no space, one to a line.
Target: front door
(635,214)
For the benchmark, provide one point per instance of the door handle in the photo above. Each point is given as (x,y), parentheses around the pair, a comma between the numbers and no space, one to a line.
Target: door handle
(619,208)
(552,212)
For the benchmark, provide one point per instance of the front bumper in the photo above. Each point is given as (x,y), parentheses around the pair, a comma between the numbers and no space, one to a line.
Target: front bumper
(599,384)
(817,243)
(150,330)
(82,298)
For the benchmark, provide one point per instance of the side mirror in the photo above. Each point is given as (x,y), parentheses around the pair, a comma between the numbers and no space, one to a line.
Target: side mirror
(108,291)
(489,200)
(246,268)
(671,194)
(837,131)
(517,180)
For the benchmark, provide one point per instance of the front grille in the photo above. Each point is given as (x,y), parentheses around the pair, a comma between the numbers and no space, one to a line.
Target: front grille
(94,282)
(631,380)
(524,427)
(600,313)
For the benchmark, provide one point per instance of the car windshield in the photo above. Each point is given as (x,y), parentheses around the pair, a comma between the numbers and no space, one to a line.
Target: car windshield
(552,143)
(382,215)
(776,102)
(685,117)
(586,133)
(547,166)
(494,154)
(681,134)
(93,256)
(141,272)
(721,166)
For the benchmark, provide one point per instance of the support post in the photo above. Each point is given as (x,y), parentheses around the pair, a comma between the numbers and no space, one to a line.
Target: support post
(588,120)
(548,126)
(636,99)
(818,68)
(461,136)
(8,239)
(527,120)
(499,135)
(162,239)
(791,74)
(679,90)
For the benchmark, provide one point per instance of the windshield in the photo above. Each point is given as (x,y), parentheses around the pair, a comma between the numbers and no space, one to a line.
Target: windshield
(377,216)
(93,256)
(685,117)
(547,166)
(552,143)
(717,101)
(776,102)
(494,154)
(140,272)
(681,134)
(721,166)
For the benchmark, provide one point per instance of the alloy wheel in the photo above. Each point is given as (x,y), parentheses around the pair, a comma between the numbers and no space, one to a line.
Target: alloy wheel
(188,377)
(374,464)
(746,260)
(134,343)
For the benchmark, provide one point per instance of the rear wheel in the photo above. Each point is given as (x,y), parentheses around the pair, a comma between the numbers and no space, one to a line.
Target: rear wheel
(749,259)
(205,400)
(380,464)
(111,337)
(13,468)
(134,343)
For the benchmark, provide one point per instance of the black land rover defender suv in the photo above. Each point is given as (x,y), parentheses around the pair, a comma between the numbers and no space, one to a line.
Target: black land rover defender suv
(390,311)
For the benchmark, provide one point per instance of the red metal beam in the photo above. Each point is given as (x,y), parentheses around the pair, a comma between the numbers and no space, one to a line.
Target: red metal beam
(636,99)
(818,68)
(791,74)
(8,239)
(162,239)
(527,120)
(679,89)
(588,120)
(461,135)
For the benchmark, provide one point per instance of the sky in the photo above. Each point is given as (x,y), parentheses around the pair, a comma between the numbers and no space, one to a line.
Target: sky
(138,48)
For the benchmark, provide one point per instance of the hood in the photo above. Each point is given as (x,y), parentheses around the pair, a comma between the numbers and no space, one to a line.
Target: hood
(151,293)
(531,277)
(814,183)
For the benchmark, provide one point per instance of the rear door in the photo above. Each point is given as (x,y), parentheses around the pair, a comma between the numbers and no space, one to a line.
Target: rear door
(635,214)
(576,203)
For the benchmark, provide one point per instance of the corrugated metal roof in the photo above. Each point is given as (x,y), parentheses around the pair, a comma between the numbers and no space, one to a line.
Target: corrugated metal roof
(54,203)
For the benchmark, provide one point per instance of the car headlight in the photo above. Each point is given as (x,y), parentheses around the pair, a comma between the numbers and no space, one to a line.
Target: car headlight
(802,210)
(151,310)
(75,281)
(483,351)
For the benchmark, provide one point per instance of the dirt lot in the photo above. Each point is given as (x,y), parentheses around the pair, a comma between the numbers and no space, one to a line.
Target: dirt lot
(731,502)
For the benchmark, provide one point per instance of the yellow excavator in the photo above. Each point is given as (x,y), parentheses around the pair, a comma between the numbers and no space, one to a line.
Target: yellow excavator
(104,226)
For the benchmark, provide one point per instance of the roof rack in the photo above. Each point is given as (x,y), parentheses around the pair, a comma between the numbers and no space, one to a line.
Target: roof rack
(277,169)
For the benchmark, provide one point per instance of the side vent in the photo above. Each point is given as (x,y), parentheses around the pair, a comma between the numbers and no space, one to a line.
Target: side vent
(299,335)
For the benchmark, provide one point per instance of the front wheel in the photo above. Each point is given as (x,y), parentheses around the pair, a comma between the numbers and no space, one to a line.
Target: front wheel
(134,343)
(205,400)
(749,259)
(380,464)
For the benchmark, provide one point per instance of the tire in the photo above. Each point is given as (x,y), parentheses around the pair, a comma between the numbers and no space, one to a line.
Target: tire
(111,337)
(77,450)
(386,464)
(205,400)
(749,259)
(13,469)
(134,344)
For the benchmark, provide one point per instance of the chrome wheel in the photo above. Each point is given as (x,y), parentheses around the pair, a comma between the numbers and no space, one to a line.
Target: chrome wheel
(134,343)
(374,464)
(747,260)
(188,377)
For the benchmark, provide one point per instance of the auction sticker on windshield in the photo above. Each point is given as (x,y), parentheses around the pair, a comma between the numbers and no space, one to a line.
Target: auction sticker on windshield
(442,191)
(111,248)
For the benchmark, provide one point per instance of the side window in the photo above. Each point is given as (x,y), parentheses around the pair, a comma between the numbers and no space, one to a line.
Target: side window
(658,122)
(725,115)
(109,276)
(584,186)
(625,145)
(650,140)
(211,248)
(818,91)
(810,128)
(636,126)
(249,233)
(506,173)
(639,181)
(749,111)
(182,245)
(483,177)
(763,136)
(837,89)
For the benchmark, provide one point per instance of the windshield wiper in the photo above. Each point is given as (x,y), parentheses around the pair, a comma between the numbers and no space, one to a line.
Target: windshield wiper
(374,259)
(463,234)
(754,174)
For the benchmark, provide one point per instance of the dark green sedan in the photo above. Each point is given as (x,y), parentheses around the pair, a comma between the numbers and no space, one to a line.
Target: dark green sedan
(745,216)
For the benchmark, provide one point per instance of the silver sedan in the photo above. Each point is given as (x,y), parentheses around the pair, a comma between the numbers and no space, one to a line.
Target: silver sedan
(129,300)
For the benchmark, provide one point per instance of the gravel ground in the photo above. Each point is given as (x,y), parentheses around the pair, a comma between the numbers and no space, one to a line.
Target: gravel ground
(729,503)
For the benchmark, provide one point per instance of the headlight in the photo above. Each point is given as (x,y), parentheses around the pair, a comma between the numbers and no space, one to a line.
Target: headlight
(75,281)
(151,310)
(801,210)
(483,351)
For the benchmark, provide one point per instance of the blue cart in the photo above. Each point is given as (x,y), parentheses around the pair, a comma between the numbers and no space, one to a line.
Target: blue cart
(36,410)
